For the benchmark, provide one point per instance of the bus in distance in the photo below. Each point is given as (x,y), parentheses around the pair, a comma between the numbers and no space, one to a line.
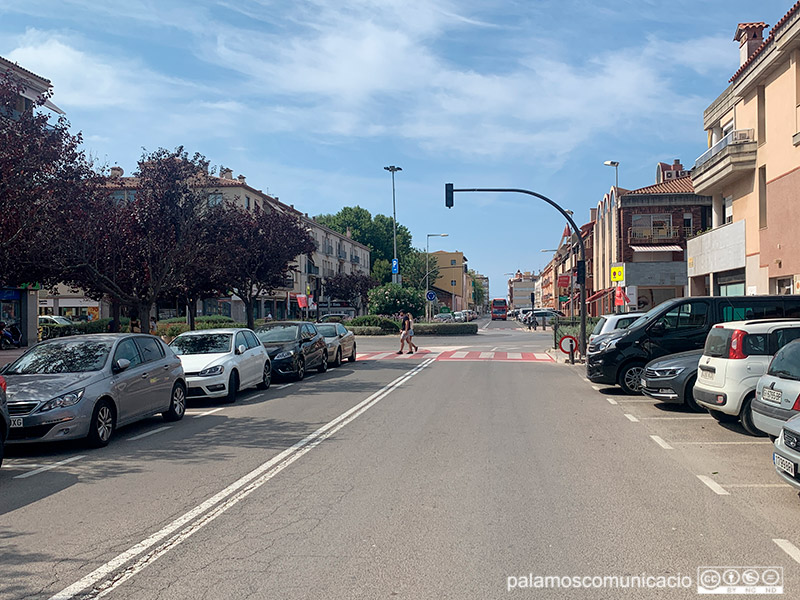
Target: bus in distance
(499,309)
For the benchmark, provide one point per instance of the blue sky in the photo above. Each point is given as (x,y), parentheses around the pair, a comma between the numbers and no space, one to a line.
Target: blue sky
(311,99)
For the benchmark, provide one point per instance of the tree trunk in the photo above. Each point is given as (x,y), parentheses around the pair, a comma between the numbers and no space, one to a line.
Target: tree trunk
(191,309)
(116,312)
(248,311)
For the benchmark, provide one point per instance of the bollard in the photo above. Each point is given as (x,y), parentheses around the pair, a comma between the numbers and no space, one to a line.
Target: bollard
(571,352)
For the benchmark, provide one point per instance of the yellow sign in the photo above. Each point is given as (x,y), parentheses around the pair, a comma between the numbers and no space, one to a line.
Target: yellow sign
(618,273)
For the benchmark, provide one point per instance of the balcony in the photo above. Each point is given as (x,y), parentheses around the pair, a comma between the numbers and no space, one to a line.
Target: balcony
(657,235)
(717,250)
(726,161)
(355,259)
(342,255)
(328,250)
(311,269)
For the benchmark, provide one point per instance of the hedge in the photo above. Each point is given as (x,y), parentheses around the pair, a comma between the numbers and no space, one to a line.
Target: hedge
(385,323)
(200,319)
(367,330)
(445,328)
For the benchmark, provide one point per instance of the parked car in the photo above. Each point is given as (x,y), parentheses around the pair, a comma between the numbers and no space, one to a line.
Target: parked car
(221,362)
(778,391)
(443,317)
(90,385)
(609,323)
(677,325)
(341,342)
(334,317)
(54,320)
(294,347)
(786,454)
(546,316)
(671,379)
(459,317)
(5,419)
(735,356)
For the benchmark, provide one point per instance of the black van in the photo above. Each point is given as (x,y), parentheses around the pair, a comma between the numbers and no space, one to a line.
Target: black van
(674,326)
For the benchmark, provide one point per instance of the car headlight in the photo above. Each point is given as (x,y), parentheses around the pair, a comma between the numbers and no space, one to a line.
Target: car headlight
(284,354)
(68,399)
(607,344)
(670,372)
(209,371)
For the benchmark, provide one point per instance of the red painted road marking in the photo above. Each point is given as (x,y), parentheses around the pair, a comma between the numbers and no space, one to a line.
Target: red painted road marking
(461,355)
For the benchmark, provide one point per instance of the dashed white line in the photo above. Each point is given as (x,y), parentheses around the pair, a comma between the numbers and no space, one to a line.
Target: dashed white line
(631,418)
(149,433)
(725,443)
(611,401)
(658,440)
(209,412)
(50,467)
(789,548)
(715,487)
(284,386)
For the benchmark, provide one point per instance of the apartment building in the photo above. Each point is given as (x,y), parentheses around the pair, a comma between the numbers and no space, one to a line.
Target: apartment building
(521,289)
(452,284)
(640,239)
(751,170)
(483,281)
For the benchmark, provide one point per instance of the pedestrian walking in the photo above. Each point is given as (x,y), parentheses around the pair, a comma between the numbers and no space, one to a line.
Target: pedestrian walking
(412,347)
(403,330)
(153,326)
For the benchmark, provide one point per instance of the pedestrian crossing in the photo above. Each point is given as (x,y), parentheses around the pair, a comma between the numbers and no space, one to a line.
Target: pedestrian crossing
(461,355)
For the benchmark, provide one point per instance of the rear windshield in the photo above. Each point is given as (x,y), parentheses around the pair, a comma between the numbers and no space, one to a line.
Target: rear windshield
(718,342)
(599,327)
(204,343)
(327,330)
(624,323)
(786,363)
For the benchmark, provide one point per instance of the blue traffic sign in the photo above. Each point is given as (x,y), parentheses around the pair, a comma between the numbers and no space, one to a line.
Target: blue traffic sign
(431,295)
(395,266)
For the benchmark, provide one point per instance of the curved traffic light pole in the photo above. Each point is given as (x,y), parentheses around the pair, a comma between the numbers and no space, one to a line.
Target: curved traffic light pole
(449,190)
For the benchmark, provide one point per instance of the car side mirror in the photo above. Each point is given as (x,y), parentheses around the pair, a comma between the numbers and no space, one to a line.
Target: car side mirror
(241,349)
(121,364)
(658,329)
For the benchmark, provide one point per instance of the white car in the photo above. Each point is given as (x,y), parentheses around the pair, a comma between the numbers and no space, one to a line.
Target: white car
(220,362)
(459,317)
(609,323)
(735,356)
(786,455)
(341,343)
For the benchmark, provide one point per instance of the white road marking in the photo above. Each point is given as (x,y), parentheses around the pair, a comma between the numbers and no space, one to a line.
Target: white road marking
(516,355)
(635,401)
(717,488)
(459,355)
(285,385)
(12,465)
(50,467)
(149,433)
(495,349)
(661,442)
(220,502)
(486,355)
(725,443)
(611,401)
(757,485)
(631,418)
(383,355)
(678,418)
(209,412)
(358,357)
(541,355)
(487,324)
(597,387)
(789,548)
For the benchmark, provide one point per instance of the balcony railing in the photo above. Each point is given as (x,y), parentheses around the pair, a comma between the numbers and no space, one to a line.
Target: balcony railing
(355,259)
(312,270)
(737,136)
(329,250)
(658,234)
(342,255)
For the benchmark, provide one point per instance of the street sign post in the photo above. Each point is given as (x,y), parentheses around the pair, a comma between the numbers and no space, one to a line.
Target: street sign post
(395,266)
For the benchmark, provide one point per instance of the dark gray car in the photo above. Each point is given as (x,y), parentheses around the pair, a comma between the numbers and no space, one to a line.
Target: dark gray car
(671,379)
(87,386)
(5,420)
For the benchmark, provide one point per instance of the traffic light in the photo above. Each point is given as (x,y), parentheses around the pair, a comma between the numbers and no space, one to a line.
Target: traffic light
(533,299)
(581,274)
(448,195)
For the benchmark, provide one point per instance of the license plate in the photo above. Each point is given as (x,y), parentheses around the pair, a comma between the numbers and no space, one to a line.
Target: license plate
(706,374)
(16,422)
(771,395)
(784,464)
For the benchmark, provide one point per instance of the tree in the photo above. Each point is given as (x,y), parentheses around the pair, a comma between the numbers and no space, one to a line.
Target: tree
(390,298)
(478,293)
(416,265)
(352,287)
(262,245)
(382,271)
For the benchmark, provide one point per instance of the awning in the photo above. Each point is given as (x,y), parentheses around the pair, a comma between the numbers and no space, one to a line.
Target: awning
(657,248)
(31,95)
(599,294)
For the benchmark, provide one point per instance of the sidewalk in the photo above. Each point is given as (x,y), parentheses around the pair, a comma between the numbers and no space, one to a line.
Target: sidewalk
(7,356)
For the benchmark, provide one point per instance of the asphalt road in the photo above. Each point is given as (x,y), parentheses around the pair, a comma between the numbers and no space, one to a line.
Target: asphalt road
(462,472)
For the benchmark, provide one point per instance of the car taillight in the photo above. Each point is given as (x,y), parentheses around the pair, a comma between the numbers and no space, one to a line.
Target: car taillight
(737,341)
(2,383)
(797,403)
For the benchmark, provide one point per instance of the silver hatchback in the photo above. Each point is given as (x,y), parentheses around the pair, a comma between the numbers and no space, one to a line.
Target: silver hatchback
(87,386)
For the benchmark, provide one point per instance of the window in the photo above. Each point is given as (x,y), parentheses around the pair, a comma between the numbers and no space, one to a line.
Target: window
(739,310)
(127,350)
(247,202)
(252,340)
(150,348)
(691,315)
(687,222)
(240,340)
(781,337)
(214,199)
(762,197)
(340,329)
(453,282)
(727,210)
(762,115)
(452,262)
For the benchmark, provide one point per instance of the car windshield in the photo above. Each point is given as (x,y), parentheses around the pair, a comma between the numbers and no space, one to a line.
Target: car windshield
(327,330)
(61,320)
(599,327)
(204,343)
(72,356)
(277,333)
(786,363)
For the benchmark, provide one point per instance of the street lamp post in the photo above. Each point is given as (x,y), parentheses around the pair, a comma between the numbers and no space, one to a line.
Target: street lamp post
(428,269)
(615,164)
(392,169)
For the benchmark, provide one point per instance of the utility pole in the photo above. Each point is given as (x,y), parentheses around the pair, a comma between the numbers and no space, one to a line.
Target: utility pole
(395,276)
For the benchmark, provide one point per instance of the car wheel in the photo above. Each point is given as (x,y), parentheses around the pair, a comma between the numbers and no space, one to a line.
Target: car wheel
(323,366)
(337,362)
(723,417)
(746,417)
(5,343)
(688,396)
(177,403)
(630,378)
(233,388)
(101,427)
(301,369)
(266,380)
(352,357)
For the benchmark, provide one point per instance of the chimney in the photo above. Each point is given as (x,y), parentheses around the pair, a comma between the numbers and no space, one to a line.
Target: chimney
(226,174)
(750,37)
(593,214)
(349,233)
(677,166)
(241,179)
(116,172)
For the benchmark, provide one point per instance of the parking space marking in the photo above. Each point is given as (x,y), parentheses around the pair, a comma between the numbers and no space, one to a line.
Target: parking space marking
(611,401)
(631,418)
(725,443)
(661,442)
(596,387)
(757,485)
(50,467)
(285,385)
(149,433)
(208,412)
(12,465)
(684,418)
(635,401)
(789,548)
(715,487)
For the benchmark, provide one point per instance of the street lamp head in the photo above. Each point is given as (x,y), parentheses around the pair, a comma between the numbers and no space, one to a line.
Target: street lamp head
(611,163)
(392,168)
